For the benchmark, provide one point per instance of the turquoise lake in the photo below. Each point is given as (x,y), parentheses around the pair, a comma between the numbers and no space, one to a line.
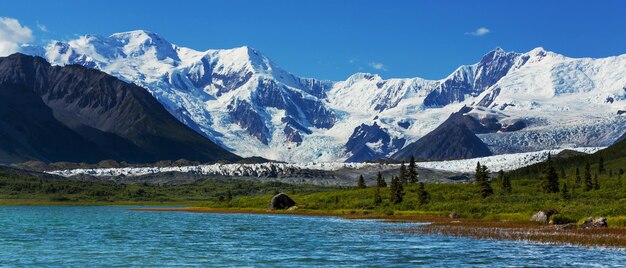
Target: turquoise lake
(117,236)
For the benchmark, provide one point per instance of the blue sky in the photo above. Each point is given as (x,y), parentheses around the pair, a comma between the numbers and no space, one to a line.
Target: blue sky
(333,39)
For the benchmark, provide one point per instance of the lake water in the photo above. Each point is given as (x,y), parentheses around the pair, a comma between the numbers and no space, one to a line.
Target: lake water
(117,236)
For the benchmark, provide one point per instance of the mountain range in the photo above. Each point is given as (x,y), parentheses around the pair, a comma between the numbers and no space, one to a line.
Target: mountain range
(78,114)
(244,102)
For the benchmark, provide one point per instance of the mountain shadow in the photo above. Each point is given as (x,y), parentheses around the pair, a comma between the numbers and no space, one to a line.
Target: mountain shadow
(76,114)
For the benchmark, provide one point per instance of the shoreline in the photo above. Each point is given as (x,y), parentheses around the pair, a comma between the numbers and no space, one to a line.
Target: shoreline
(459,227)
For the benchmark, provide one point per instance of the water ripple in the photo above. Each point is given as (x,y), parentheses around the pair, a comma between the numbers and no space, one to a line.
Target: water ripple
(118,237)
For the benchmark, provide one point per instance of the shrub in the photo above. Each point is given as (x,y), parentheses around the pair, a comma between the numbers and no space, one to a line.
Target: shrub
(562,219)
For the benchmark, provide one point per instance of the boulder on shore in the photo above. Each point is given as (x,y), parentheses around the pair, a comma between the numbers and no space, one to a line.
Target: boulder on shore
(453,215)
(281,201)
(543,216)
(592,222)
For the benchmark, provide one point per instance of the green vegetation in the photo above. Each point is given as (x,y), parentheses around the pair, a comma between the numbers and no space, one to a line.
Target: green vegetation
(550,178)
(521,193)
(505,182)
(413,171)
(422,195)
(396,191)
(380,181)
(361,183)
(482,179)
(15,190)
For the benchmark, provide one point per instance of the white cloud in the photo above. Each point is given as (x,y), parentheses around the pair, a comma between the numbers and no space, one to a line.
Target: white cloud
(12,35)
(479,32)
(42,27)
(378,66)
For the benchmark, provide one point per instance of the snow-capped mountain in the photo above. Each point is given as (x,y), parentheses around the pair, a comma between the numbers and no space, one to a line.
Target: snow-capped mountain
(246,103)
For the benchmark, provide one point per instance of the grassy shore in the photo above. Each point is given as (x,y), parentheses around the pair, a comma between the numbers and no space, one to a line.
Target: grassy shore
(500,215)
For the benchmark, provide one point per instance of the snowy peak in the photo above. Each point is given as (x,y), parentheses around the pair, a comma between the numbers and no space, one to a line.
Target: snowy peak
(137,43)
(242,100)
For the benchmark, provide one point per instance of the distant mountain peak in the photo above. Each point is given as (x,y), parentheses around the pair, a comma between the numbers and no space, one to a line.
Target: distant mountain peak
(307,119)
(137,34)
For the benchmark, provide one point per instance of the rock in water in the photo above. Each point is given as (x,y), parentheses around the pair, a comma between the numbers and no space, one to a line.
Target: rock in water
(543,216)
(281,201)
(592,222)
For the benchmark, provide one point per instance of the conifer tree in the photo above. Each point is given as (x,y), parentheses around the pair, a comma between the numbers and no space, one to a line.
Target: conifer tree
(412,171)
(396,191)
(482,179)
(601,165)
(596,185)
(229,196)
(578,179)
(422,195)
(402,176)
(562,176)
(360,184)
(550,178)
(505,182)
(377,198)
(564,192)
(588,182)
(380,181)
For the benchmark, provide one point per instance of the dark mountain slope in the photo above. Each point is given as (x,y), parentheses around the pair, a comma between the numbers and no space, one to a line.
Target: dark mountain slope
(72,113)
(453,139)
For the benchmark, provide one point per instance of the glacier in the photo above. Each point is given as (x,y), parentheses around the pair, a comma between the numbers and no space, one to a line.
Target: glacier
(246,103)
(495,163)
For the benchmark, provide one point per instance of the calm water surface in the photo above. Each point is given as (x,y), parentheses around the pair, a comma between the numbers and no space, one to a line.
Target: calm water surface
(117,236)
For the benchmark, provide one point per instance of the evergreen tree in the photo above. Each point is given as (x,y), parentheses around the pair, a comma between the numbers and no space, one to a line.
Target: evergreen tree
(588,182)
(478,176)
(482,179)
(360,184)
(550,178)
(380,181)
(412,171)
(596,185)
(505,182)
(377,198)
(229,196)
(601,165)
(578,180)
(564,192)
(402,176)
(422,195)
(396,191)
(486,189)
(562,176)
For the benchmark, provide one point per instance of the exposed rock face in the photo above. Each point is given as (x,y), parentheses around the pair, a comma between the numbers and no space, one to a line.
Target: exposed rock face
(543,216)
(472,80)
(72,113)
(592,222)
(203,89)
(281,201)
(371,142)
(454,139)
